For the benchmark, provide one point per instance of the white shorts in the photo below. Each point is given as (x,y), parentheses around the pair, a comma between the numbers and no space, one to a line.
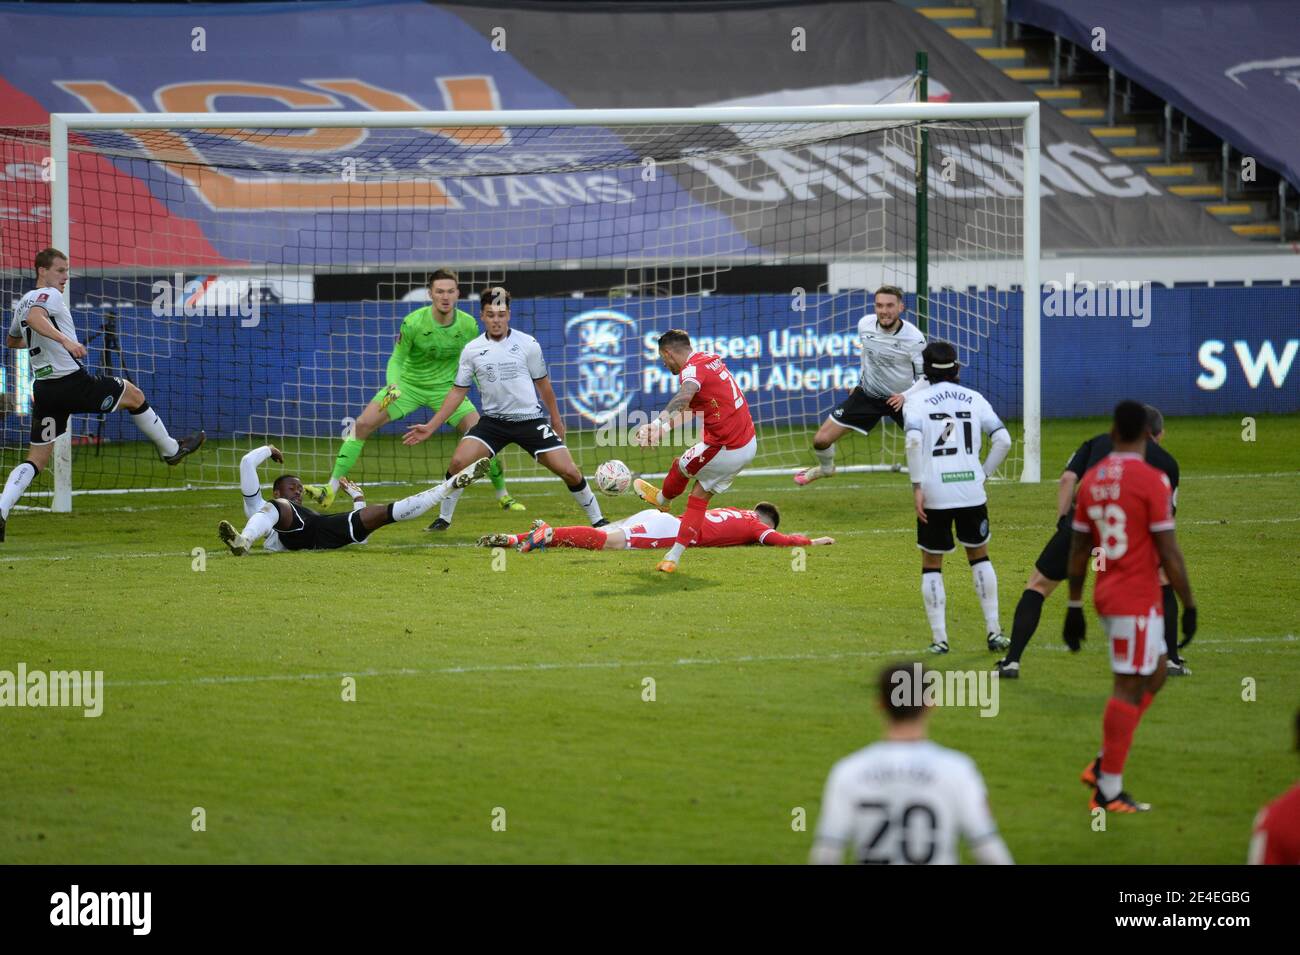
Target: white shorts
(1136,643)
(714,467)
(650,529)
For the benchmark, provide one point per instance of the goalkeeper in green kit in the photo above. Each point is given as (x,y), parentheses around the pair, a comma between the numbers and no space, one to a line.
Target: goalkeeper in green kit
(421,371)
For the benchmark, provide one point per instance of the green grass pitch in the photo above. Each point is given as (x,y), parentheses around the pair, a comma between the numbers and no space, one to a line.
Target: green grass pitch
(519,687)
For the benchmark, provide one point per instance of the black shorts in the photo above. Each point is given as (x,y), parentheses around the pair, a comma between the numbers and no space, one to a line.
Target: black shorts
(534,436)
(1053,562)
(55,399)
(313,531)
(935,536)
(861,412)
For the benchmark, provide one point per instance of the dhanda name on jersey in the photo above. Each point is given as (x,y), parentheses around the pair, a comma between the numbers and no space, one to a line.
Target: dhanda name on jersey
(946,395)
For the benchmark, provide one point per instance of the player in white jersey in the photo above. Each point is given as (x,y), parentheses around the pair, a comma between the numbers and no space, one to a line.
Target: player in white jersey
(945,424)
(906,800)
(891,372)
(42,324)
(511,374)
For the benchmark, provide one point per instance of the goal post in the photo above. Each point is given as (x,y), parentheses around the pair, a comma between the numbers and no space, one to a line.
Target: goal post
(985,270)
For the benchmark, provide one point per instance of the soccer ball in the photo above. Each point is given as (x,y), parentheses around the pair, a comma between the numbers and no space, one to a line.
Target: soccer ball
(613,477)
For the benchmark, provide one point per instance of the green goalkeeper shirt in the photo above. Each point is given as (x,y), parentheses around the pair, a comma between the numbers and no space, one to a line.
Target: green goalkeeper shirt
(426,354)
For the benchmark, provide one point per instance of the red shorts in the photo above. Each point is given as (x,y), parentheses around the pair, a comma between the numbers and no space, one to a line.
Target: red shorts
(1136,642)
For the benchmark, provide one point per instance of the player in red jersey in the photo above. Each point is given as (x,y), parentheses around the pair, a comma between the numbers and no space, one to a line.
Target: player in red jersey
(651,528)
(729,444)
(1276,839)
(1124,510)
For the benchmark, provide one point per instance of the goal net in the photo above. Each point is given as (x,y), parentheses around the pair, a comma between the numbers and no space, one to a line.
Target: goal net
(250,271)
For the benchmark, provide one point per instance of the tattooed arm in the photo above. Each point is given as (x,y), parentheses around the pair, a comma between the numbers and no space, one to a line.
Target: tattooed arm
(671,416)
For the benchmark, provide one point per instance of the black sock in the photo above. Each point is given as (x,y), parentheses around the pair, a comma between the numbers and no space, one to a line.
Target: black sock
(577,487)
(1024,623)
(1171,622)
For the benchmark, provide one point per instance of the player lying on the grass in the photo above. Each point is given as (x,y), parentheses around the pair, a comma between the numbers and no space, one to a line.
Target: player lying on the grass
(62,387)
(651,528)
(287,525)
(1125,510)
(1050,568)
(906,800)
(891,371)
(511,374)
(420,372)
(945,423)
(707,389)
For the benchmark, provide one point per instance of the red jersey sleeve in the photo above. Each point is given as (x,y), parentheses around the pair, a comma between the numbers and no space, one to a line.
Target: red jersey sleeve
(777,539)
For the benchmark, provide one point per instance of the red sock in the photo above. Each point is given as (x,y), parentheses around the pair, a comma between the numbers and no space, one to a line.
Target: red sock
(1117,728)
(675,482)
(1146,702)
(688,532)
(588,538)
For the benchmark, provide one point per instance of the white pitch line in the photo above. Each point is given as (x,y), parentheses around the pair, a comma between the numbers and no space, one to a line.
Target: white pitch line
(819,487)
(145,555)
(612,665)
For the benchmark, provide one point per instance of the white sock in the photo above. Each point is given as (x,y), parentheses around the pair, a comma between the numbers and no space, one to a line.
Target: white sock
(675,553)
(986,586)
(409,508)
(334,484)
(586,500)
(19,478)
(1110,784)
(502,493)
(449,501)
(261,523)
(936,603)
(826,459)
(147,420)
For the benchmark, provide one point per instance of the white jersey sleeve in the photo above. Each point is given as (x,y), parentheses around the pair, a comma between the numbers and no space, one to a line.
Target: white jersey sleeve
(971,796)
(835,823)
(536,362)
(988,418)
(48,358)
(465,366)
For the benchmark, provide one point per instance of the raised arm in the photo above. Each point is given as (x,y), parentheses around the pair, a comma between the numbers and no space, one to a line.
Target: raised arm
(250,484)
